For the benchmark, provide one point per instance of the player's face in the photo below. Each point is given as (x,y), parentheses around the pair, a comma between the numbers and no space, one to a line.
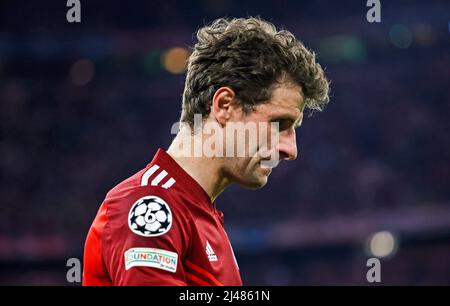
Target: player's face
(285,108)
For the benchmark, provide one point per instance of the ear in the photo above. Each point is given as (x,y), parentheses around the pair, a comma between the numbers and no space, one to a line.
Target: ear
(222,104)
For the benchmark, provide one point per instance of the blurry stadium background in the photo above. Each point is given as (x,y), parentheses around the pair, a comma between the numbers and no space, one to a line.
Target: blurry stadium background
(83,106)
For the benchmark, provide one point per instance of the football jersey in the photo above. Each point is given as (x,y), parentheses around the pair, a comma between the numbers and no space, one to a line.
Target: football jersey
(159,227)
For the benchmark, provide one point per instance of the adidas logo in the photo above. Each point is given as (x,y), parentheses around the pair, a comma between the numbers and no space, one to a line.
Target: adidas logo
(157,179)
(210,252)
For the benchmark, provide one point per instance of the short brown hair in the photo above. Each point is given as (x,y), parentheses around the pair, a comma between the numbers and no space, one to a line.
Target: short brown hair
(248,55)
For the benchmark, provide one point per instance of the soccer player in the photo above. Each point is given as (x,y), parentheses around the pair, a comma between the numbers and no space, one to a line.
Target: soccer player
(161,226)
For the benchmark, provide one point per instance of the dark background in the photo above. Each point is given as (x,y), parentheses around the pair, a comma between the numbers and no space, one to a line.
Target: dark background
(83,106)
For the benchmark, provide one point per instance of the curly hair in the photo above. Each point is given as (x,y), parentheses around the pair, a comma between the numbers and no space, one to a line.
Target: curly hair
(250,56)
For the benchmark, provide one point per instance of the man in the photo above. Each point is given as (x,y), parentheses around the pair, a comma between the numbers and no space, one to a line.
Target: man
(161,226)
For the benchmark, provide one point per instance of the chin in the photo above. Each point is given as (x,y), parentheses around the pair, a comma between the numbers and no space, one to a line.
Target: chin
(257,183)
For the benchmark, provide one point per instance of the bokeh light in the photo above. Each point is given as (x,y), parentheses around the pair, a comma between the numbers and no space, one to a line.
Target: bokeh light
(343,48)
(152,62)
(424,34)
(175,59)
(382,244)
(400,36)
(82,72)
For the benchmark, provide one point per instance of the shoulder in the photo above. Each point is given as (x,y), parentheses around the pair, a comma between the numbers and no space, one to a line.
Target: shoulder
(151,181)
(136,206)
(149,203)
(144,220)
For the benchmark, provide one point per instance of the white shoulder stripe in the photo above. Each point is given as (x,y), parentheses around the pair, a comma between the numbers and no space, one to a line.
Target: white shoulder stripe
(159,178)
(169,183)
(147,174)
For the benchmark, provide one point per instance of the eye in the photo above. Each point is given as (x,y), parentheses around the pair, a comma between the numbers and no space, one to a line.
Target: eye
(284,123)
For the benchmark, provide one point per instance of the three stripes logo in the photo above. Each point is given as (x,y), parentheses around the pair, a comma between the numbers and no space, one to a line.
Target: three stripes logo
(157,179)
(210,252)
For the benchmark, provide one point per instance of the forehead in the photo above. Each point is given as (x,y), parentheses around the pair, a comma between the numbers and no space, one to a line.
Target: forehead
(284,99)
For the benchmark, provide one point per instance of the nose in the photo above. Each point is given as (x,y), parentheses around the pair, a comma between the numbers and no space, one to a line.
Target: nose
(287,146)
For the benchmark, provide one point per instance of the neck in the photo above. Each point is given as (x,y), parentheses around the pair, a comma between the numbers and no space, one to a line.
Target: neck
(206,171)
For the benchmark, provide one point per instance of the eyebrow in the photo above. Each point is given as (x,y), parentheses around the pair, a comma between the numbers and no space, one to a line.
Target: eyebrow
(296,122)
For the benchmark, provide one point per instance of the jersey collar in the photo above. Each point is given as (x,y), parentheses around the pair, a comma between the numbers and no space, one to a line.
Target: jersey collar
(188,183)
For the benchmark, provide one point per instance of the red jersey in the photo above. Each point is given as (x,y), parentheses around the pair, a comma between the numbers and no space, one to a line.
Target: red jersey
(159,227)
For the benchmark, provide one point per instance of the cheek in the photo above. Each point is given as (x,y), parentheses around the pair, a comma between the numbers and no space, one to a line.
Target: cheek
(243,165)
(268,136)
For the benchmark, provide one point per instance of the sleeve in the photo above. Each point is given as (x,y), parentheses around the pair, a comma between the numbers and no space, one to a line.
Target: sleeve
(146,239)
